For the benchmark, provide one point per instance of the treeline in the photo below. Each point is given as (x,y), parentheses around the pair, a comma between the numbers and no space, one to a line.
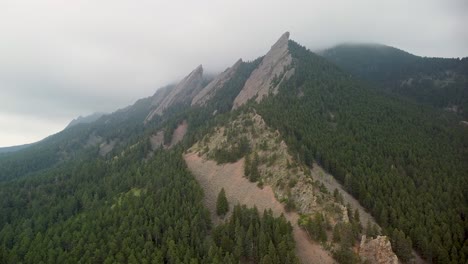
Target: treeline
(405,163)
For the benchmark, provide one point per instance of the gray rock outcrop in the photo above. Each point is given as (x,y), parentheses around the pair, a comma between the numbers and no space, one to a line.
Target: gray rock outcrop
(210,90)
(183,92)
(377,250)
(275,67)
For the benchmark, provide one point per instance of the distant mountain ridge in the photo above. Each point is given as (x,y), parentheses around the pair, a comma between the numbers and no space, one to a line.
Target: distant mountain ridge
(85,119)
(439,82)
(14,148)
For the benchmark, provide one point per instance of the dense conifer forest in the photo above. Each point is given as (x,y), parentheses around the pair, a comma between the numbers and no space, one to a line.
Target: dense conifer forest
(129,211)
(406,163)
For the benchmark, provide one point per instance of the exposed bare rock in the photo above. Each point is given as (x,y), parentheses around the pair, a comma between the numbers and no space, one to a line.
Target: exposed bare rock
(272,71)
(344,211)
(107,147)
(378,250)
(157,140)
(210,90)
(183,92)
(179,133)
(93,140)
(157,99)
(160,94)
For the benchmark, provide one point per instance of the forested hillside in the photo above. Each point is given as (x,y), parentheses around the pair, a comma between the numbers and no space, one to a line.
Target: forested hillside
(405,163)
(64,202)
(115,132)
(439,82)
(103,192)
(128,211)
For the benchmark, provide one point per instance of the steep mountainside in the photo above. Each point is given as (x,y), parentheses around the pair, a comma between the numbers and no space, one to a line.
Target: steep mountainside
(117,208)
(108,192)
(214,177)
(283,184)
(439,82)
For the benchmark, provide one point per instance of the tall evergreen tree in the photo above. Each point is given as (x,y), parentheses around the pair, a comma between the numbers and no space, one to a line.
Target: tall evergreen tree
(222,205)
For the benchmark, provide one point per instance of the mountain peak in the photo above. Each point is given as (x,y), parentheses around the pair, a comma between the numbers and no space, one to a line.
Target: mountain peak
(209,90)
(199,68)
(282,41)
(197,72)
(274,66)
(184,91)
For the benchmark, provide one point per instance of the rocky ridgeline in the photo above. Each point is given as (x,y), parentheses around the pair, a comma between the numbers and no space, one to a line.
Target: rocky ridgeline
(210,90)
(272,71)
(276,67)
(183,92)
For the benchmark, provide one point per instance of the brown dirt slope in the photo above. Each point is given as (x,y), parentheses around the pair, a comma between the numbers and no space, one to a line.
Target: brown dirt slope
(179,133)
(157,140)
(213,177)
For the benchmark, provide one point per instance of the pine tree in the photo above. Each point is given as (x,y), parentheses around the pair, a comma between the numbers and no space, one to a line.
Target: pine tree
(371,230)
(402,245)
(222,205)
(356,216)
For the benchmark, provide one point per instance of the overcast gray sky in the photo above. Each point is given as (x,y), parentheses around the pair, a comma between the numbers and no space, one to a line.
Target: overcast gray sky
(61,59)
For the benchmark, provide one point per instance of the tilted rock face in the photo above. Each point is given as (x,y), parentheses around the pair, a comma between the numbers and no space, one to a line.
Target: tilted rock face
(184,91)
(275,64)
(160,95)
(210,90)
(378,250)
